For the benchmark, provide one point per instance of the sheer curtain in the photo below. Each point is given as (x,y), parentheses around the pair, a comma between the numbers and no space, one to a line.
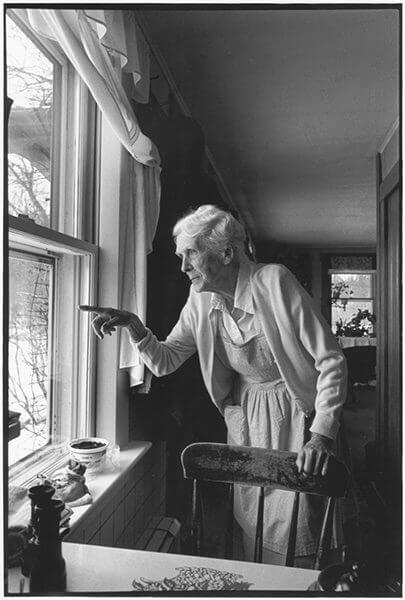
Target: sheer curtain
(137,237)
(99,43)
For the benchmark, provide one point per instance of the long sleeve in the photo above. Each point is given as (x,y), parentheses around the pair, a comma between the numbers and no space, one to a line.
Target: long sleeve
(163,358)
(315,335)
(307,353)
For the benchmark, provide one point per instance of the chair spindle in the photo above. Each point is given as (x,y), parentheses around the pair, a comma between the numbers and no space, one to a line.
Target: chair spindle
(196,524)
(229,529)
(326,534)
(292,536)
(258,556)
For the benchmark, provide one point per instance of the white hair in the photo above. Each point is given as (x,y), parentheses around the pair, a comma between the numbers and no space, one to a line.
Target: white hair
(217,229)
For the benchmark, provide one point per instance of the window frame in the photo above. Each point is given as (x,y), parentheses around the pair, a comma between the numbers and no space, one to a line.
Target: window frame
(71,234)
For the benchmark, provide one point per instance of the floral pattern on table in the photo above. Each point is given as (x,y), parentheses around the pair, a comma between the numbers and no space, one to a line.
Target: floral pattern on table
(194,578)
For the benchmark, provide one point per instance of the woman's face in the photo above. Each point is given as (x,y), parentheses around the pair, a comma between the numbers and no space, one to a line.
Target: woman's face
(204,268)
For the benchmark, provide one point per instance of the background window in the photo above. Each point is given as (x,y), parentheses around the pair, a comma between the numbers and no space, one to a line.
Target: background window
(351,293)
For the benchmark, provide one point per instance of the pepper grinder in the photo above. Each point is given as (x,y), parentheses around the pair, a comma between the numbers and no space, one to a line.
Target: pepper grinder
(48,569)
(39,495)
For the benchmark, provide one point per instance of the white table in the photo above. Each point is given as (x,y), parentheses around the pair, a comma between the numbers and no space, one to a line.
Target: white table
(101,569)
(350,342)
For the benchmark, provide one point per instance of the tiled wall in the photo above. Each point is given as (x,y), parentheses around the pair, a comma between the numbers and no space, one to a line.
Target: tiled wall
(122,516)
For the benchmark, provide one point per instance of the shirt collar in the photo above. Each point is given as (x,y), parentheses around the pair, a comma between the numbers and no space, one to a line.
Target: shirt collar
(243,291)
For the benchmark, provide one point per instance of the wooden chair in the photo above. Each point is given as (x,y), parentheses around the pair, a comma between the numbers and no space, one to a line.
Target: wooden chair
(263,468)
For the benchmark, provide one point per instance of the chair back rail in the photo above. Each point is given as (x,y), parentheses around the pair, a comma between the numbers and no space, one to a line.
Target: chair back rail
(260,467)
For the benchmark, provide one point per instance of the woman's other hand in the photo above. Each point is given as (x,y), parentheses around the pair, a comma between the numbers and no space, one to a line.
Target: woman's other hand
(314,457)
(107,319)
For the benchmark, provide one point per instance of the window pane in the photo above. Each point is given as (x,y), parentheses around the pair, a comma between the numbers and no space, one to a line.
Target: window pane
(30,77)
(354,285)
(350,310)
(29,339)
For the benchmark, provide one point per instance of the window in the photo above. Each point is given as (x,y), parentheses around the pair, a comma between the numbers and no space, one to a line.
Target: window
(52,145)
(352,302)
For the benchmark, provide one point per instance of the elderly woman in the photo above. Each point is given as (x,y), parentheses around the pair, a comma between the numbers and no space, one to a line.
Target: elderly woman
(269,361)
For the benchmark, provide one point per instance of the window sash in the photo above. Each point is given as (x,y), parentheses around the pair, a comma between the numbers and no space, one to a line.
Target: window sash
(357,298)
(73,142)
(59,108)
(81,257)
(34,257)
(351,272)
(371,272)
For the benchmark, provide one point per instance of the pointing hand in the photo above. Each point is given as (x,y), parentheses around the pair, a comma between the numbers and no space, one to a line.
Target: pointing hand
(107,319)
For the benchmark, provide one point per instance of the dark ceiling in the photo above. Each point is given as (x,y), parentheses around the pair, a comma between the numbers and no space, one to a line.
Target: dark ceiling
(294,105)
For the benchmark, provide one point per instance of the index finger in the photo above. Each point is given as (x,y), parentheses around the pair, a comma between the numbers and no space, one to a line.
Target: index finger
(97,309)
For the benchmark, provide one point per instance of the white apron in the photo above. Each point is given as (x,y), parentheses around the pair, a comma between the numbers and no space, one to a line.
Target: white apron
(263,415)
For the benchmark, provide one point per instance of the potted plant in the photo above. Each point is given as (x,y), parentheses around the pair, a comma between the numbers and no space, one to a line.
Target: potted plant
(358,326)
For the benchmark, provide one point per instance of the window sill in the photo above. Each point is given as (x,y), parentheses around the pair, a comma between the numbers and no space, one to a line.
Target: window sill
(98,483)
(101,483)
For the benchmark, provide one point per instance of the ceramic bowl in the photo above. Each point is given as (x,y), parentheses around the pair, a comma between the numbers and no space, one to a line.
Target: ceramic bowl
(89,451)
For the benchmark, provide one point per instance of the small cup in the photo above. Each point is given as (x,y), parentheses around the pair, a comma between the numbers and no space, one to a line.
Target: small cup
(93,457)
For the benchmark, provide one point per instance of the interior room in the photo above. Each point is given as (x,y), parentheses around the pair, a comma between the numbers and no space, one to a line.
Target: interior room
(118,123)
